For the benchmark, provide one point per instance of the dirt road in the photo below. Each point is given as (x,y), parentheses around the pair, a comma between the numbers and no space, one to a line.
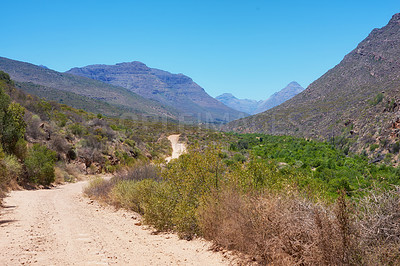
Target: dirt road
(61,227)
(177,148)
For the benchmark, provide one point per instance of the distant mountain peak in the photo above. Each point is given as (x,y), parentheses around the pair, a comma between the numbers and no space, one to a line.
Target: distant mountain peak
(129,64)
(43,66)
(293,83)
(253,106)
(291,90)
(226,95)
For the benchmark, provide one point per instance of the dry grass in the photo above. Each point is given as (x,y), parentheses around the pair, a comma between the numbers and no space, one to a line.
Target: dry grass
(99,189)
(379,226)
(138,172)
(282,229)
(271,227)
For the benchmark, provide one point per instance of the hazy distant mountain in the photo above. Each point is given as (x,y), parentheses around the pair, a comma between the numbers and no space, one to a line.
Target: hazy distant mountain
(243,105)
(82,91)
(254,107)
(291,90)
(176,90)
(355,104)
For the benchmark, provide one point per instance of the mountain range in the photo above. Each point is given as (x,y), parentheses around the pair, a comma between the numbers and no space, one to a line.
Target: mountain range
(81,92)
(176,90)
(255,107)
(355,103)
(129,90)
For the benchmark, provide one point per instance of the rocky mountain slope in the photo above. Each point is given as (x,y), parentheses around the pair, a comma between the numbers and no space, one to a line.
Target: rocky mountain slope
(254,107)
(176,90)
(54,85)
(291,90)
(356,103)
(244,105)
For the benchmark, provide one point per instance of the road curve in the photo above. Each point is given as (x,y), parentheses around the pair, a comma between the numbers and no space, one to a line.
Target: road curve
(177,148)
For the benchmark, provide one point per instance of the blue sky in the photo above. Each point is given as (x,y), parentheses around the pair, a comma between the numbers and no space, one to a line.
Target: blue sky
(249,48)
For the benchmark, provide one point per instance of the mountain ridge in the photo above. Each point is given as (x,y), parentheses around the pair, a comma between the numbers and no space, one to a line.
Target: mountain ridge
(26,73)
(176,90)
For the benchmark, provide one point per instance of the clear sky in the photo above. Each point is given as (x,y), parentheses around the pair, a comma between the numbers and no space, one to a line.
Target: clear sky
(250,48)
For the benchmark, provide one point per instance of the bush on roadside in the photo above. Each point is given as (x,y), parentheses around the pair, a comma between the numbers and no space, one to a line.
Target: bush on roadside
(99,188)
(280,228)
(40,163)
(133,195)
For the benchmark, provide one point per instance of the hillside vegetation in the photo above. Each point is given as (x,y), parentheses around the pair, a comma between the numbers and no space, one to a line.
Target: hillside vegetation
(276,199)
(43,142)
(280,200)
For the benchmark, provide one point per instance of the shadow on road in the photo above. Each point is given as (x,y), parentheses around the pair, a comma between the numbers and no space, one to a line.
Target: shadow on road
(7,221)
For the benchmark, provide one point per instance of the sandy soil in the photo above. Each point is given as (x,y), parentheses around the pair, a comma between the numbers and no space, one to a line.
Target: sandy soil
(177,148)
(61,227)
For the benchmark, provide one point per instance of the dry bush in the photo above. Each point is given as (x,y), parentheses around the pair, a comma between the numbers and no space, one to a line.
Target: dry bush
(99,188)
(59,175)
(92,142)
(33,129)
(139,172)
(90,156)
(379,226)
(109,133)
(73,170)
(60,144)
(98,123)
(280,228)
(10,173)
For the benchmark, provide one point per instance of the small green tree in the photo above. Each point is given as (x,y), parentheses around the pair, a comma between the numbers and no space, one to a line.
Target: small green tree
(13,128)
(4,103)
(40,165)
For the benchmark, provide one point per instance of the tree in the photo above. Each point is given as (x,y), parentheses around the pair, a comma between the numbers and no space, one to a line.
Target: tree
(13,126)
(40,164)
(4,103)
(6,78)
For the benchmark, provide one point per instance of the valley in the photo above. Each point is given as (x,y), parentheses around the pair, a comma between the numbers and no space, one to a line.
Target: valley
(123,163)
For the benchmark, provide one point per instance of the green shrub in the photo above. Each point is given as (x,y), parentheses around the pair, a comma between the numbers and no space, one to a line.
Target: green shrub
(61,119)
(130,143)
(13,167)
(12,124)
(160,208)
(6,77)
(388,158)
(77,129)
(378,98)
(21,149)
(373,147)
(396,147)
(133,195)
(238,157)
(40,165)
(10,172)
